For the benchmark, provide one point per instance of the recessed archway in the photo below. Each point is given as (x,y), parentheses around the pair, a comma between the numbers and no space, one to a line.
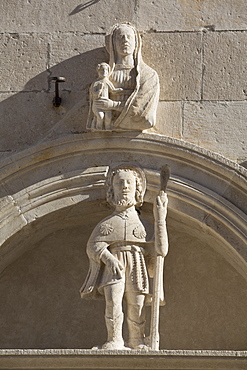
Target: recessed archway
(53,195)
(41,286)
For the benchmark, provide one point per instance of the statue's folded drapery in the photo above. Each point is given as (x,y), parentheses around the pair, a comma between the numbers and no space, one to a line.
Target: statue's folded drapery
(137,111)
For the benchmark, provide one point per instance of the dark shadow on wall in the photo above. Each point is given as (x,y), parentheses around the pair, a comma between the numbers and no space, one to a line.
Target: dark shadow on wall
(244,164)
(81,7)
(29,117)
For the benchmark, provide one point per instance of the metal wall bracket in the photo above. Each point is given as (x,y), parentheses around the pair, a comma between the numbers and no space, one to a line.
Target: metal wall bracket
(57,100)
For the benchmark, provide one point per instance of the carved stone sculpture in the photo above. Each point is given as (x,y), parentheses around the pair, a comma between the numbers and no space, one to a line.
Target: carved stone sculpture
(100,90)
(121,253)
(133,106)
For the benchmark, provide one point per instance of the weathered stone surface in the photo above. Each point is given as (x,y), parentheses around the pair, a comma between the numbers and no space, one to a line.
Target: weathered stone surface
(189,15)
(166,359)
(169,119)
(223,15)
(225,61)
(75,57)
(218,126)
(99,16)
(177,59)
(23,58)
(49,16)
(172,55)
(21,128)
(85,358)
(168,15)
(52,199)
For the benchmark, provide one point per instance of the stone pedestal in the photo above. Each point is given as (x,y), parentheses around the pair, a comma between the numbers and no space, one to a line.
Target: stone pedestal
(100,359)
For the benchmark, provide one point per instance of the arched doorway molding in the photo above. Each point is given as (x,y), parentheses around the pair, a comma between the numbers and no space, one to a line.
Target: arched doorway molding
(205,190)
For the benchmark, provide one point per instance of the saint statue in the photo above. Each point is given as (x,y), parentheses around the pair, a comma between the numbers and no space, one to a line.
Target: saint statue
(134,106)
(121,252)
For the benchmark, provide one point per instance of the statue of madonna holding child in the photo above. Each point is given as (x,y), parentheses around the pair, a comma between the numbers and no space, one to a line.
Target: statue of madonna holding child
(132,86)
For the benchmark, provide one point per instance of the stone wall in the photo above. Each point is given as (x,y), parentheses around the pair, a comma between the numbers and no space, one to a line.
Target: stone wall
(53,193)
(197,47)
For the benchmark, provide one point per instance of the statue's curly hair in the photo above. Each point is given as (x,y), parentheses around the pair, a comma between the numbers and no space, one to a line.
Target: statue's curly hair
(140,183)
(103,64)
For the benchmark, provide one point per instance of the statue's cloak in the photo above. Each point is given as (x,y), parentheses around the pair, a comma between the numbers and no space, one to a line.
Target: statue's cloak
(139,111)
(144,100)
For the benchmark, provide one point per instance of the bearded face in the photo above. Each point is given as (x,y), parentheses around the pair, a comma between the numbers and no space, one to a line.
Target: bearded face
(124,187)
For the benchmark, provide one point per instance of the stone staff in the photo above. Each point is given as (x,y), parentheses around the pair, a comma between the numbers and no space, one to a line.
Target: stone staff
(161,250)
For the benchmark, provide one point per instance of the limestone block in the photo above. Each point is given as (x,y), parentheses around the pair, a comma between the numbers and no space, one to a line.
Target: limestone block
(169,119)
(61,15)
(177,59)
(75,57)
(224,15)
(220,127)
(168,15)
(28,118)
(225,74)
(173,15)
(23,57)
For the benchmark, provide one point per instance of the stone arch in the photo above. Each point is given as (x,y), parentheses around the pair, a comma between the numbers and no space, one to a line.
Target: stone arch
(54,194)
(205,189)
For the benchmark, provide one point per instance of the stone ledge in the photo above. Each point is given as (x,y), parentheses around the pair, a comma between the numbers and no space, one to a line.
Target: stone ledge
(82,141)
(100,359)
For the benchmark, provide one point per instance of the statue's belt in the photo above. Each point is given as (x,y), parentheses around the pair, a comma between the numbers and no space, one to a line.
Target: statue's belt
(126,248)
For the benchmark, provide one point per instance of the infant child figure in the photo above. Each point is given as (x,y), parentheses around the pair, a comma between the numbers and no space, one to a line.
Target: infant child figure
(99,90)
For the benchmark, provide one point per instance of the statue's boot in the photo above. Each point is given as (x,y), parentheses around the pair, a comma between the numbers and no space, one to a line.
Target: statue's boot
(114,331)
(137,334)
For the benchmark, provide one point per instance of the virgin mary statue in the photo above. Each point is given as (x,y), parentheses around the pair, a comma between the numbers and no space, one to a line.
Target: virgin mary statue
(133,106)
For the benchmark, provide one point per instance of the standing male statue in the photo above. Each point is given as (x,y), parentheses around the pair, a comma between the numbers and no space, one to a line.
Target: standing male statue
(133,107)
(119,249)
